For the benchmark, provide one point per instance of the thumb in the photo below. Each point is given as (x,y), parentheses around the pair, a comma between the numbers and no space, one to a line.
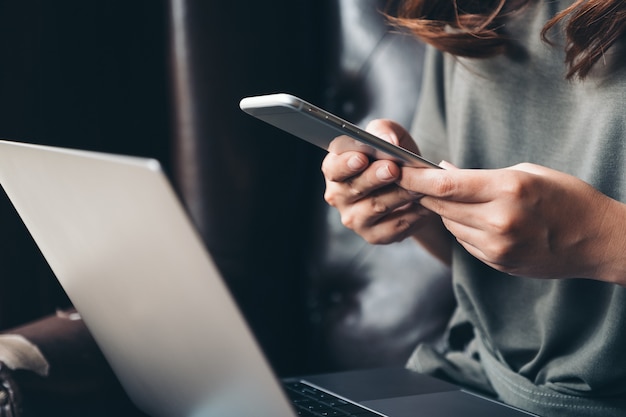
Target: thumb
(447,165)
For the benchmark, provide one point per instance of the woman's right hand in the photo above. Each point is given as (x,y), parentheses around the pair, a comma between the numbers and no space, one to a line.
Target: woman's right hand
(366,194)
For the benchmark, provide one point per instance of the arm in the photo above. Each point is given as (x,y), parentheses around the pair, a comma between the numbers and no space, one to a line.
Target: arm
(528,220)
(75,365)
(525,220)
(54,364)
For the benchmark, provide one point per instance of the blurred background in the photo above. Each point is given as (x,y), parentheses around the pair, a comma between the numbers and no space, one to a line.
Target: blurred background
(163,79)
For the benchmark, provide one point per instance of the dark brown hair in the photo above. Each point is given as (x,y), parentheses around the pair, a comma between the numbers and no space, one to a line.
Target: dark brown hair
(475,28)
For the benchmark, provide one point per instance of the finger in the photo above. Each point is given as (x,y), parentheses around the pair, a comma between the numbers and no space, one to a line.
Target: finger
(357,187)
(447,165)
(475,215)
(385,129)
(464,234)
(479,254)
(394,227)
(462,185)
(382,203)
(474,251)
(532,169)
(469,238)
(378,175)
(339,167)
(392,132)
(486,247)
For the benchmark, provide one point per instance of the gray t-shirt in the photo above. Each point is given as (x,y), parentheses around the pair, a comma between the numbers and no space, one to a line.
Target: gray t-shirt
(553,347)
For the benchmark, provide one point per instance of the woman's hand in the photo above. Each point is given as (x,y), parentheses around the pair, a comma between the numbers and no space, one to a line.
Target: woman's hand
(527,220)
(366,194)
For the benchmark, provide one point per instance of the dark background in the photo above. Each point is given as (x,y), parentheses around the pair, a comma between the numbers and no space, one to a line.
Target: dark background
(100,75)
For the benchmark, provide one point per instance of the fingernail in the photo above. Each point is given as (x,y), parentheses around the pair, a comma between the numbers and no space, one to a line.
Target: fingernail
(446,165)
(355,163)
(383,173)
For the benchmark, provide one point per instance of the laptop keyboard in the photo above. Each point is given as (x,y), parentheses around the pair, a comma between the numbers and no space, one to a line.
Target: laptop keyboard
(312,402)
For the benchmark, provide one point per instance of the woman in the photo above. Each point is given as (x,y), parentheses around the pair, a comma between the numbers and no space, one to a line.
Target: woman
(524,103)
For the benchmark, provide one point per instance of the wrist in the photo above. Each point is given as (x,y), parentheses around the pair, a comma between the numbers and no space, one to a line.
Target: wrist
(611,262)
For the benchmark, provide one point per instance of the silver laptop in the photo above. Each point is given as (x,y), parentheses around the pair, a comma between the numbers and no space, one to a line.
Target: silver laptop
(123,248)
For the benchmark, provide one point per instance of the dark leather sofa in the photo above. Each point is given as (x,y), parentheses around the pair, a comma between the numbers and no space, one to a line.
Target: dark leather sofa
(163,79)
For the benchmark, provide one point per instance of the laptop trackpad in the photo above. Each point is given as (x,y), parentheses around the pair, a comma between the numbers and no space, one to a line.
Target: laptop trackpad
(442,404)
(376,384)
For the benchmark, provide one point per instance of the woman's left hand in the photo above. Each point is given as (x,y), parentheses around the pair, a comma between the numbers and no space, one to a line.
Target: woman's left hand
(528,220)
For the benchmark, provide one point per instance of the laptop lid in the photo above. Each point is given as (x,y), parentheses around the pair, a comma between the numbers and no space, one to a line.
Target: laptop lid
(121,245)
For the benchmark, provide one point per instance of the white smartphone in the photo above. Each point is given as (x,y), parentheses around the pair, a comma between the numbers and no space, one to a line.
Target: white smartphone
(324,129)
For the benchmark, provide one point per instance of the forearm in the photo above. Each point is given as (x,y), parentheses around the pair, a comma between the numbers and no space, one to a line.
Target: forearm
(54,364)
(75,364)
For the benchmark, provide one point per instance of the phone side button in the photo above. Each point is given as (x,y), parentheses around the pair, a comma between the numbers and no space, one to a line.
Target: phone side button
(352,129)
